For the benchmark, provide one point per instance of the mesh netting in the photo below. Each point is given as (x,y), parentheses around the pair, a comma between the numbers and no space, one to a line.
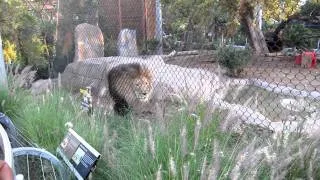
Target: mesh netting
(263,75)
(272,89)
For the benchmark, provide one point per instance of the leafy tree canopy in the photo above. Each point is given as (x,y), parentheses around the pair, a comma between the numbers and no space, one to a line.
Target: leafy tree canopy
(272,9)
(279,10)
(179,14)
(311,8)
(20,27)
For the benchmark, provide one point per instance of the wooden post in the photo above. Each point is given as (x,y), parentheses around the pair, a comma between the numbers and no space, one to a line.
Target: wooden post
(150,7)
(120,15)
(3,74)
(158,33)
(144,21)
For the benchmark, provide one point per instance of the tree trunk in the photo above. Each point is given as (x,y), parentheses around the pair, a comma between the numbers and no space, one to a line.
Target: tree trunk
(71,13)
(255,35)
(189,36)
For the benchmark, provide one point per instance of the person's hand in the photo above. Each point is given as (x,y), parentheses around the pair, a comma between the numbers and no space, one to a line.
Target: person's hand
(5,171)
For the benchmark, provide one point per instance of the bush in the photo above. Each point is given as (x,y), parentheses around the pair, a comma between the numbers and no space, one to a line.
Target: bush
(310,9)
(9,105)
(234,59)
(110,47)
(151,46)
(296,35)
(27,39)
(10,52)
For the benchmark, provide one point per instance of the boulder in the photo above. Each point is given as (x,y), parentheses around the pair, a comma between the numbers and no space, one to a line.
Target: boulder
(89,42)
(168,79)
(127,43)
(92,72)
(42,86)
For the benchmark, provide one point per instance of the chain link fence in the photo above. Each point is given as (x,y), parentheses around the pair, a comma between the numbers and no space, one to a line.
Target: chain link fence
(192,55)
(159,58)
(277,90)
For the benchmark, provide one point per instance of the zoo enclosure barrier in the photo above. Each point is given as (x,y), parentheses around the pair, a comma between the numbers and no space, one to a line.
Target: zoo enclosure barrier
(276,90)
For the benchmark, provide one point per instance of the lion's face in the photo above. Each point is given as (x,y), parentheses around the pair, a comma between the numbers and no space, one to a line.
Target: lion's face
(142,88)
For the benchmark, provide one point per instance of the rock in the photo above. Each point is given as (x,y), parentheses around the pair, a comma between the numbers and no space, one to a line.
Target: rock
(89,42)
(127,43)
(41,86)
(92,72)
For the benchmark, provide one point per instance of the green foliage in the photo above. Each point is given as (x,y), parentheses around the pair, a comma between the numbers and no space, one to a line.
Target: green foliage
(234,60)
(279,10)
(25,31)
(125,143)
(190,21)
(310,9)
(12,99)
(9,104)
(48,29)
(151,46)
(29,38)
(296,35)
(239,37)
(57,112)
(9,52)
(186,144)
(272,9)
(110,48)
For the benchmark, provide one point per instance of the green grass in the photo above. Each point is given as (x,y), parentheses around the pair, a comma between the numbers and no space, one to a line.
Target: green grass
(10,105)
(127,144)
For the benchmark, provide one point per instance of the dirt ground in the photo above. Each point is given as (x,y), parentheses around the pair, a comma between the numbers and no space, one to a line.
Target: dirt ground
(277,70)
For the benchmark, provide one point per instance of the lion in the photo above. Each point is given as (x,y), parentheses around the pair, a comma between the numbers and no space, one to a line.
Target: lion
(128,84)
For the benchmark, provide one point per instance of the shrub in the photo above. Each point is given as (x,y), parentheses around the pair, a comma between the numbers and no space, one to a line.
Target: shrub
(110,47)
(310,9)
(24,35)
(234,59)
(10,105)
(151,46)
(296,35)
(9,51)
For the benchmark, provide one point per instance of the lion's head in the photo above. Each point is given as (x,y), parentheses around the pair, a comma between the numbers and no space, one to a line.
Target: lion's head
(142,88)
(129,83)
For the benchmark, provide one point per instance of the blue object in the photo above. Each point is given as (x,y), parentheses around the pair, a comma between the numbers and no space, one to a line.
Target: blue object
(5,121)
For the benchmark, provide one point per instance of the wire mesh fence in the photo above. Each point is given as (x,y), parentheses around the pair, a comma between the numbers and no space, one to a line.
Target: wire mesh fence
(267,89)
(156,57)
(280,85)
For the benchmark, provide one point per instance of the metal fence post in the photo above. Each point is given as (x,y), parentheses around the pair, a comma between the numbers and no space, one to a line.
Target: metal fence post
(159,27)
(3,74)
